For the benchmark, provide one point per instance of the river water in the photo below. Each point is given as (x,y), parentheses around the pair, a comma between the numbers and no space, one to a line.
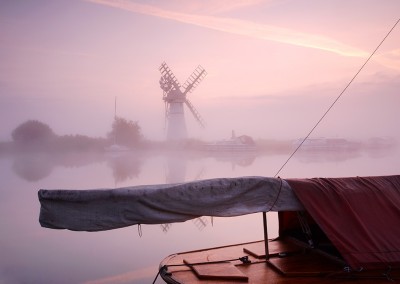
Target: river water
(32,254)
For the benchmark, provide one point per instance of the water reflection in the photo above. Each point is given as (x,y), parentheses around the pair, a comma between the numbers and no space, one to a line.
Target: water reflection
(379,147)
(125,167)
(318,156)
(201,222)
(175,170)
(33,167)
(37,166)
(374,148)
(67,257)
(242,159)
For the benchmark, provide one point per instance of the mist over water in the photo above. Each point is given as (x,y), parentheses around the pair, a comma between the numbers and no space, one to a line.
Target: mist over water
(39,255)
(127,165)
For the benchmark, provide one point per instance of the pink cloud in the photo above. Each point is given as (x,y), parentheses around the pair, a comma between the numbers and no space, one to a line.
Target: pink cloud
(241,27)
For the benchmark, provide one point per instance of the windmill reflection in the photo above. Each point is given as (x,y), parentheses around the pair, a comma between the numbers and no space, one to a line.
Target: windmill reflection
(175,169)
(200,222)
(165,227)
(175,172)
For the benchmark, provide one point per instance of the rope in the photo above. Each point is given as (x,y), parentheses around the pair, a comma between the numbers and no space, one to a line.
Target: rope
(243,259)
(277,196)
(305,227)
(348,273)
(335,101)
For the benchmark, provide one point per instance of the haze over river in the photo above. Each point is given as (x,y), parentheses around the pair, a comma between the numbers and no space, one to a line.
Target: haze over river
(32,254)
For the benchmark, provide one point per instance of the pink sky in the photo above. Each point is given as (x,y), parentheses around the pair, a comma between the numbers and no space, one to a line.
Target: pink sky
(273,66)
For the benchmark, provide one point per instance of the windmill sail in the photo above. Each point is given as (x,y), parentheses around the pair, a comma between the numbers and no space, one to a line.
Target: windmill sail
(174,96)
(194,80)
(195,113)
(168,76)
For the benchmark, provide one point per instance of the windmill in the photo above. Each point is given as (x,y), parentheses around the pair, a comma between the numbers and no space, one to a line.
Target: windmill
(174,96)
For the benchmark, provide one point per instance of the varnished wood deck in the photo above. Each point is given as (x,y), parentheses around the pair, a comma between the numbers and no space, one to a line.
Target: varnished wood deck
(288,263)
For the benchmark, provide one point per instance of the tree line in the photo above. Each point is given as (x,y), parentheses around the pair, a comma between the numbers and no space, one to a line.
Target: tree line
(34,135)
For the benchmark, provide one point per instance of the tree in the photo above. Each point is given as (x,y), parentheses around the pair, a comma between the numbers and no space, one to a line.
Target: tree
(33,134)
(125,132)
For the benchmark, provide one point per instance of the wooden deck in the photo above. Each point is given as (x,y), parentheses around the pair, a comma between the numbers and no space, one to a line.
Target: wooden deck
(289,262)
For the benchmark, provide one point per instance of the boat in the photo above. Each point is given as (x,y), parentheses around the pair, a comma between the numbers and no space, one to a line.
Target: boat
(116,148)
(331,230)
(235,144)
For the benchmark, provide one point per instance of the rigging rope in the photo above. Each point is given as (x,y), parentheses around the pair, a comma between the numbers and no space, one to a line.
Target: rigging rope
(164,268)
(335,101)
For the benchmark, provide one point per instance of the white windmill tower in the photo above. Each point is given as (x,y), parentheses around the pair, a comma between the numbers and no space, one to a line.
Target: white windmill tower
(174,96)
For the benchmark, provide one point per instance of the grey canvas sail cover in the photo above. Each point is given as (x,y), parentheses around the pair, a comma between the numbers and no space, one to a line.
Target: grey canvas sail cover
(106,209)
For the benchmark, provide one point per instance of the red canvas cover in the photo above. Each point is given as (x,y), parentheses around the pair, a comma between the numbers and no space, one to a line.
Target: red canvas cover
(360,216)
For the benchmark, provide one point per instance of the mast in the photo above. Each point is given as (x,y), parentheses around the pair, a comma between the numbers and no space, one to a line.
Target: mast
(115,120)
